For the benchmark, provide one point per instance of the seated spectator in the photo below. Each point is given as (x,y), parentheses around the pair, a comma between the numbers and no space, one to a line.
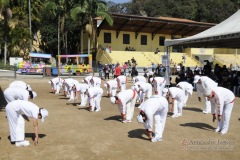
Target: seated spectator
(157,50)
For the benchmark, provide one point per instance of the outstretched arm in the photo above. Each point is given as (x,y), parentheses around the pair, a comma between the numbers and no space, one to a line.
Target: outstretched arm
(35,125)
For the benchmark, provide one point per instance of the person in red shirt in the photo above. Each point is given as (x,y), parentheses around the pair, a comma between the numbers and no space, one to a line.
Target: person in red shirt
(118,70)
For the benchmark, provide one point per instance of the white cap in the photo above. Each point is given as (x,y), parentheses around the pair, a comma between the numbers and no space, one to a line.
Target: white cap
(164,92)
(49,82)
(196,78)
(29,87)
(44,113)
(105,85)
(151,80)
(83,81)
(34,94)
(113,99)
(140,118)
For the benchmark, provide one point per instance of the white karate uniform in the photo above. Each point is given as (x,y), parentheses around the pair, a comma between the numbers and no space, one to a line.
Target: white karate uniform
(65,86)
(206,83)
(127,100)
(71,90)
(155,108)
(222,104)
(96,82)
(137,89)
(15,119)
(187,88)
(95,96)
(122,80)
(56,84)
(159,83)
(111,87)
(140,78)
(16,93)
(82,87)
(178,95)
(143,88)
(87,80)
(20,84)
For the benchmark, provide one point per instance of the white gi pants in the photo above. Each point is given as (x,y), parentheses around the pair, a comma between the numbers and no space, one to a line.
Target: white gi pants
(129,108)
(178,105)
(160,120)
(84,99)
(16,124)
(95,102)
(223,125)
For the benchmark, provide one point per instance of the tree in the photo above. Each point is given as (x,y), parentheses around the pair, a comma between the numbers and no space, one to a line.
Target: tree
(90,9)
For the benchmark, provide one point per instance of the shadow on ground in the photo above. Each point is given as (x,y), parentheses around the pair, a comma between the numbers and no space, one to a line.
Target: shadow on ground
(198,125)
(114,118)
(137,133)
(2,100)
(192,109)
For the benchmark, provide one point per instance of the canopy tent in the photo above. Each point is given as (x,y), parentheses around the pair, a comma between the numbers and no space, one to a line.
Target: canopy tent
(224,35)
(40,55)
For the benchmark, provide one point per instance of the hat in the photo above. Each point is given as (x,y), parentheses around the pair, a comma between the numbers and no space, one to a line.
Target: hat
(44,113)
(164,92)
(83,81)
(140,118)
(34,94)
(196,78)
(113,99)
(105,85)
(29,88)
(151,80)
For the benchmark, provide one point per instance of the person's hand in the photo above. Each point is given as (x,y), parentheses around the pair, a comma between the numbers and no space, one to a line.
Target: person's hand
(199,99)
(214,118)
(219,118)
(36,141)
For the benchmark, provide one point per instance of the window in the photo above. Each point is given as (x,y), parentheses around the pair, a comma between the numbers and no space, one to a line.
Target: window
(143,40)
(161,41)
(107,37)
(126,39)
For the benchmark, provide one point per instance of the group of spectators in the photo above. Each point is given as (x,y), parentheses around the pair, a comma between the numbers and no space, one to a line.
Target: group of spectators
(225,76)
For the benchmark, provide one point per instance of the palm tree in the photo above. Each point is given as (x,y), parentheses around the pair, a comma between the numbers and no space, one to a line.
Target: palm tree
(7,14)
(90,9)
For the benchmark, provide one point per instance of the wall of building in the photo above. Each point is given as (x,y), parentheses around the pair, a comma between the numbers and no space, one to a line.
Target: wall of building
(117,43)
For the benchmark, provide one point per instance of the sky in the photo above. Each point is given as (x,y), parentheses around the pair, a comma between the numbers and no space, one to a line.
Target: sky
(118,1)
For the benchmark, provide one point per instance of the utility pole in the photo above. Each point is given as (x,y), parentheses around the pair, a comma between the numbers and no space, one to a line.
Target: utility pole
(30,24)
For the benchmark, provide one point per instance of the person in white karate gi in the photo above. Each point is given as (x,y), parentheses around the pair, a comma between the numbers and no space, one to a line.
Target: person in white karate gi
(188,90)
(56,84)
(122,80)
(20,84)
(16,121)
(126,101)
(95,82)
(154,109)
(80,90)
(201,83)
(111,87)
(17,93)
(143,89)
(158,83)
(177,96)
(72,89)
(94,96)
(87,80)
(222,104)
(65,86)
(139,78)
